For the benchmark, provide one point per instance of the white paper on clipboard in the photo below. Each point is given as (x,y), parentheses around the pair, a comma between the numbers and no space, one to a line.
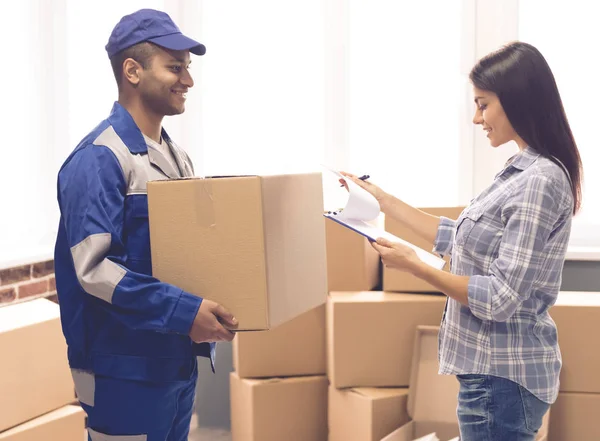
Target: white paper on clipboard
(361,209)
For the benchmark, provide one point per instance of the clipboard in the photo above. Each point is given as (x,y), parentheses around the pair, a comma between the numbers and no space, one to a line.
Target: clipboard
(361,209)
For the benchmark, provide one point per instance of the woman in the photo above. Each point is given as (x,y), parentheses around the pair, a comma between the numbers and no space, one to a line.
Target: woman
(508,249)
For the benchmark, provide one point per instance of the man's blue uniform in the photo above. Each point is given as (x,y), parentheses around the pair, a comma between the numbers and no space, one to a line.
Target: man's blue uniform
(127,332)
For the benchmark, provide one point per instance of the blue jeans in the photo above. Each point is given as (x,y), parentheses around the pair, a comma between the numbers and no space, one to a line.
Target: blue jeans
(496,409)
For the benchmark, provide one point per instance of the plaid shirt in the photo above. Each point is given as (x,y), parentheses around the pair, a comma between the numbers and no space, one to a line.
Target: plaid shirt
(511,240)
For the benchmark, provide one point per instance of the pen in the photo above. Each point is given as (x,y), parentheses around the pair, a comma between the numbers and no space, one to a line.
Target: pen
(362,178)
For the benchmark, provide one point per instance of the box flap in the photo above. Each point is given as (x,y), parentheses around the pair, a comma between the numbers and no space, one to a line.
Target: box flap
(431,397)
(27,313)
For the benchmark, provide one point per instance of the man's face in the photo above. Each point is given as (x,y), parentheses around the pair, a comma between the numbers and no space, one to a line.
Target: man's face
(164,83)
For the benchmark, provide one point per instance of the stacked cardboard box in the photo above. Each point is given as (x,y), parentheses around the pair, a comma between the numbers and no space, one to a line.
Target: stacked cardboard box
(370,345)
(35,380)
(366,414)
(432,397)
(398,281)
(574,415)
(352,263)
(256,245)
(370,336)
(279,387)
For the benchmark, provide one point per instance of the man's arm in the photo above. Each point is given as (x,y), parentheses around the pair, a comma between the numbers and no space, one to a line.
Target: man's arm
(92,191)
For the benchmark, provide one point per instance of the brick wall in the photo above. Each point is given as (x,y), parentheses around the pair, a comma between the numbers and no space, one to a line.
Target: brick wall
(27,282)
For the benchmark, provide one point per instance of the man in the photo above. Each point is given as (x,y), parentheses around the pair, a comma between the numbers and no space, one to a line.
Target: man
(132,340)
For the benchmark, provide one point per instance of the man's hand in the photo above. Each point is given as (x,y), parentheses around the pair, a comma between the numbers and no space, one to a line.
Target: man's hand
(208,324)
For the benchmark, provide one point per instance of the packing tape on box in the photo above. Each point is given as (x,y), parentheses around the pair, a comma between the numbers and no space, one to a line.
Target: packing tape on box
(205,206)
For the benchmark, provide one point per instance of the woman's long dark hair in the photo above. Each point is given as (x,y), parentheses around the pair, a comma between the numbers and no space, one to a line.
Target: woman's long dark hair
(525,85)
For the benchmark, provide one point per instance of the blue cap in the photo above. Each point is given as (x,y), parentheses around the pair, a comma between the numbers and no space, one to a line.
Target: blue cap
(153,26)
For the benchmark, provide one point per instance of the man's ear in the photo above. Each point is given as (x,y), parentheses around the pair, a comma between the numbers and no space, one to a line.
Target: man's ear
(131,71)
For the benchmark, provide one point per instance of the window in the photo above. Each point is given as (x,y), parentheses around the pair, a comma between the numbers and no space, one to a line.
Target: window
(25,151)
(262,87)
(405,97)
(567,37)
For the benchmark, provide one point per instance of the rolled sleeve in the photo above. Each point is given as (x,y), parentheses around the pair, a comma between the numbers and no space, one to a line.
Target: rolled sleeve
(530,215)
(445,236)
(491,299)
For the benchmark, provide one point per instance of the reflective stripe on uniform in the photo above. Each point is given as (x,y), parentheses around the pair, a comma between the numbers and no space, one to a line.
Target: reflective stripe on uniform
(98,276)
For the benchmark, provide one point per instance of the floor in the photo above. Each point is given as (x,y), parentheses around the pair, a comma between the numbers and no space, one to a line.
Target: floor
(204,434)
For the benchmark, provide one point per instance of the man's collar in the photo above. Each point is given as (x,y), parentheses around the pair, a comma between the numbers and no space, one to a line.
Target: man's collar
(127,129)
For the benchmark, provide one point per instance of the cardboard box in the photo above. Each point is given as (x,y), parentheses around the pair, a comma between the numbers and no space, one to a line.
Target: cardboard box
(255,244)
(352,263)
(34,373)
(432,398)
(577,318)
(575,417)
(366,414)
(292,349)
(290,409)
(370,336)
(399,281)
(64,424)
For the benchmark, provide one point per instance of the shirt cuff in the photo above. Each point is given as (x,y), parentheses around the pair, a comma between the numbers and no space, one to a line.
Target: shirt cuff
(489,301)
(184,314)
(480,302)
(444,236)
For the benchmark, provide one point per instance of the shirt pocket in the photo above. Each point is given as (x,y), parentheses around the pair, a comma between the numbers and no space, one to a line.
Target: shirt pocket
(466,225)
(479,235)
(137,231)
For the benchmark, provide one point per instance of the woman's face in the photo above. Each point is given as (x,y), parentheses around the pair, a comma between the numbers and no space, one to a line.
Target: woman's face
(490,114)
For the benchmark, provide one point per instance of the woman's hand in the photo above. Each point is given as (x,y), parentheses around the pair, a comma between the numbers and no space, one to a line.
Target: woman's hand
(401,257)
(377,192)
(397,256)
